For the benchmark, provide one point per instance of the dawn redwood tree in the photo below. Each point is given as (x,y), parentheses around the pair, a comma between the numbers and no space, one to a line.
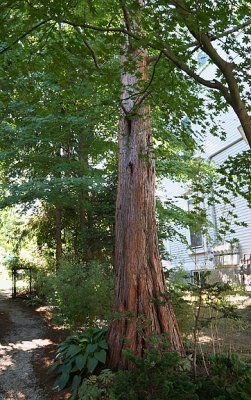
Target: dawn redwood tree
(139,276)
(169,33)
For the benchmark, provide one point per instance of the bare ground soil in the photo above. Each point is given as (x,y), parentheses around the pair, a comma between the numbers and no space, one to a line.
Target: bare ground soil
(27,348)
(231,336)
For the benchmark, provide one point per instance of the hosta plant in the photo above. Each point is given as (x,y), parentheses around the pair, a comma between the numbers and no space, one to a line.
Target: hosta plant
(78,355)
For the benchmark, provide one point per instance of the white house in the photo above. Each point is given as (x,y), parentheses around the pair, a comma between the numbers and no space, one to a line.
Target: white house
(203,255)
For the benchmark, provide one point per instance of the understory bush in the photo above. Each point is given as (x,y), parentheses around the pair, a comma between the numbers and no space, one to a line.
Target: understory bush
(203,307)
(154,377)
(157,377)
(80,295)
(97,387)
(230,379)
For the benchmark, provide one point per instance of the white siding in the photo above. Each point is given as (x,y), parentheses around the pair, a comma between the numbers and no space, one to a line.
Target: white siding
(217,151)
(179,253)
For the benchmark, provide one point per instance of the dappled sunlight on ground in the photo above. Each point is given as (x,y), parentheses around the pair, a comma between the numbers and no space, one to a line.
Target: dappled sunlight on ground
(229,335)
(205,339)
(14,396)
(241,301)
(24,336)
(7,351)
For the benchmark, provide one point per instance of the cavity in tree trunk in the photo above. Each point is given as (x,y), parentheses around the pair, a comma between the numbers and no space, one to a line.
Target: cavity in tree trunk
(139,275)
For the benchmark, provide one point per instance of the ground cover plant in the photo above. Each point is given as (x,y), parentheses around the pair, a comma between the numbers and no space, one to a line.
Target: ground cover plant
(79,354)
(166,376)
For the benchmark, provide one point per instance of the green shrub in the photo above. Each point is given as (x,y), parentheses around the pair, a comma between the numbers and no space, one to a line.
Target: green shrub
(33,301)
(155,377)
(230,380)
(80,295)
(79,354)
(97,387)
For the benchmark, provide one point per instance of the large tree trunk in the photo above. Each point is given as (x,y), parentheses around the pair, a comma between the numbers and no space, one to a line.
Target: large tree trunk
(139,276)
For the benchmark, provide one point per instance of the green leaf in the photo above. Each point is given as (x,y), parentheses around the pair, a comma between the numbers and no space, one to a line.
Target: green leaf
(84,340)
(99,333)
(74,395)
(61,381)
(81,361)
(100,356)
(73,350)
(66,368)
(53,367)
(91,348)
(103,344)
(91,364)
(76,381)
(61,353)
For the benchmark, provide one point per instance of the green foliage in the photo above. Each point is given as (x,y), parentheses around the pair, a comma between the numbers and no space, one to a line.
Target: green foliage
(33,301)
(162,377)
(9,223)
(79,354)
(230,380)
(16,263)
(80,294)
(157,377)
(154,377)
(204,300)
(96,387)
(179,289)
(235,175)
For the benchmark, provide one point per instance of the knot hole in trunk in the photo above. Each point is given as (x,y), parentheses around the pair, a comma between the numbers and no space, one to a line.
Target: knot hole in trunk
(130,167)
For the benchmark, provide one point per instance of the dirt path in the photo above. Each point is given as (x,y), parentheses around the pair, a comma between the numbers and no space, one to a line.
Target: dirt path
(27,348)
(24,334)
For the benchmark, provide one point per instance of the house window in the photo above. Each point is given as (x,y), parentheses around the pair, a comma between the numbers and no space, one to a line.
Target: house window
(195,277)
(196,238)
(195,235)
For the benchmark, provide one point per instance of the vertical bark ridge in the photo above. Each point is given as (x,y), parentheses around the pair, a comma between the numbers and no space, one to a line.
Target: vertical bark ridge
(138,271)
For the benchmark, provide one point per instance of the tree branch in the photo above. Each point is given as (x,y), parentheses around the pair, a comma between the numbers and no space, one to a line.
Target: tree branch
(126,17)
(214,84)
(93,56)
(101,29)
(145,91)
(166,51)
(151,59)
(216,37)
(24,35)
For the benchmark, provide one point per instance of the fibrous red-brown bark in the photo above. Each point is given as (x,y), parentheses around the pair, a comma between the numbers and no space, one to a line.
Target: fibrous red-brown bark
(139,275)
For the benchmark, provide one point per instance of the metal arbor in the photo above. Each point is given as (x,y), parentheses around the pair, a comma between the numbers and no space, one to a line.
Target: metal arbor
(15,278)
